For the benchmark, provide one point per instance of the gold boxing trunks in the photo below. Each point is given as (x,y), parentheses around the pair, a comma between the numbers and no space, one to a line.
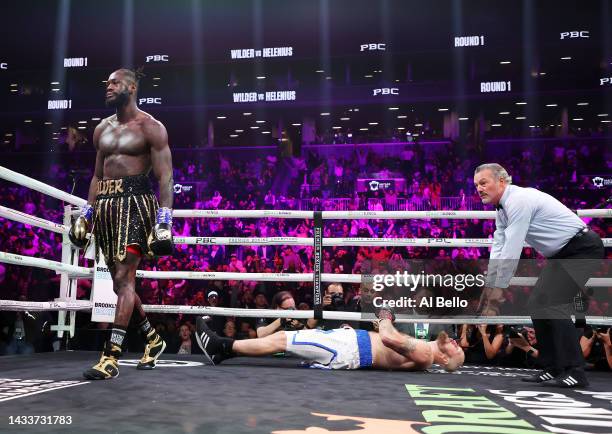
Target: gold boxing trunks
(124,214)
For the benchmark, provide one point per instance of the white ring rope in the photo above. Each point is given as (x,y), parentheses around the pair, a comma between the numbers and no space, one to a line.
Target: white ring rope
(75,271)
(48,264)
(18,216)
(41,187)
(329,242)
(596,213)
(80,306)
(356,215)
(234,213)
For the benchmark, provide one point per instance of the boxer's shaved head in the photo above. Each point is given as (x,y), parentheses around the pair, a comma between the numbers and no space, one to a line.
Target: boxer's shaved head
(451,355)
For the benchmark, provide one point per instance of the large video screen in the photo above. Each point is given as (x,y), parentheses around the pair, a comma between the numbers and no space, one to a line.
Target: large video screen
(249,70)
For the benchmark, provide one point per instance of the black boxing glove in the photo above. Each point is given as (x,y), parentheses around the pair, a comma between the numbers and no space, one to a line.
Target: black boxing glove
(160,240)
(80,227)
(386,312)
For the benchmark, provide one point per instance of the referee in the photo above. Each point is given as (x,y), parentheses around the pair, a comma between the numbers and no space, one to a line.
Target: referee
(574,253)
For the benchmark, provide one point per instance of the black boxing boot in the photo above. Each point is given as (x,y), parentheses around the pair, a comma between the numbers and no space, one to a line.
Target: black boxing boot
(215,348)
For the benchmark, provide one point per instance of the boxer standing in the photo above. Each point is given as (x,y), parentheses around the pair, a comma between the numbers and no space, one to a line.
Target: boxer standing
(123,213)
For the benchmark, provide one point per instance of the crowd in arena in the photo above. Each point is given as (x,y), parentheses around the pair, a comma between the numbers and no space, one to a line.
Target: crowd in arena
(317,178)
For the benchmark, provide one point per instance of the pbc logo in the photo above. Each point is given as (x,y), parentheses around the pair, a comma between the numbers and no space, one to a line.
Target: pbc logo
(205,240)
(386,91)
(373,47)
(575,34)
(157,58)
(600,182)
(438,241)
(149,101)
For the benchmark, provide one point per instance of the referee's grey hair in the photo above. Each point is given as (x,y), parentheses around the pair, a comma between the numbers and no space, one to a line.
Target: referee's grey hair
(497,170)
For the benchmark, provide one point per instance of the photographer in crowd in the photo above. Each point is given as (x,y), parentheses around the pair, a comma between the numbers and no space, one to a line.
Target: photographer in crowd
(482,343)
(522,347)
(282,300)
(597,348)
(334,299)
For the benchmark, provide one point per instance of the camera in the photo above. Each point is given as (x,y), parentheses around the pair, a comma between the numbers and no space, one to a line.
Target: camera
(289,324)
(337,300)
(514,332)
(589,331)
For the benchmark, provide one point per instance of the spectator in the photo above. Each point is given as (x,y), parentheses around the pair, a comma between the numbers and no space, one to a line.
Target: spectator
(18,332)
(597,348)
(282,300)
(521,349)
(269,200)
(215,201)
(482,343)
(186,342)
(217,322)
(229,330)
(291,261)
(261,302)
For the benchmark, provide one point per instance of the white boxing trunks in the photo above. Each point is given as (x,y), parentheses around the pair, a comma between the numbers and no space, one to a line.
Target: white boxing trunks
(345,348)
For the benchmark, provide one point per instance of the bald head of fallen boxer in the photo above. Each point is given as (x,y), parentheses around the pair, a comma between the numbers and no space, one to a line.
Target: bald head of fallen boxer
(447,353)
(344,348)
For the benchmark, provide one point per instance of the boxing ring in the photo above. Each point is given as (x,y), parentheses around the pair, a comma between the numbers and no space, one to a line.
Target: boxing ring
(275,394)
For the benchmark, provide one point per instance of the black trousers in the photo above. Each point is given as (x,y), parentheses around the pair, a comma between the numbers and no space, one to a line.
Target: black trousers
(551,302)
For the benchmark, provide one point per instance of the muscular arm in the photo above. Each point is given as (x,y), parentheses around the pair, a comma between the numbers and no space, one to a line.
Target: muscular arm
(413,349)
(161,159)
(99,167)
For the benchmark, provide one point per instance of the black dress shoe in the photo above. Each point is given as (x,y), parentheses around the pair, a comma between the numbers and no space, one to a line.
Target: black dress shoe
(571,379)
(540,377)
